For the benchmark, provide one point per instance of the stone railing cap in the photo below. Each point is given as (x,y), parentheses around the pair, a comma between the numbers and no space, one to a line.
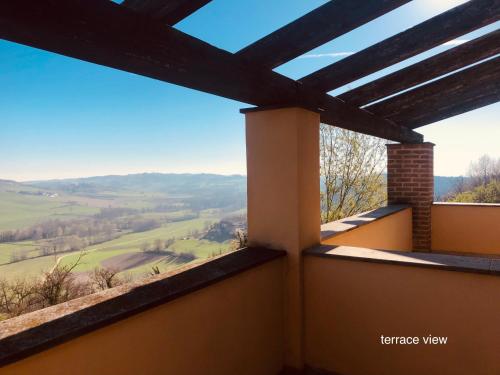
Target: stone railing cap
(448,262)
(334,228)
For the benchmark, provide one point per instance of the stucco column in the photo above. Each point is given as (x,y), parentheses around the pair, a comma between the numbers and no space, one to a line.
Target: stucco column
(284,201)
(410,179)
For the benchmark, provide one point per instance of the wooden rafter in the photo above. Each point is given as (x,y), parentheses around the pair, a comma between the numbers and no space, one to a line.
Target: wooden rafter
(446,62)
(463,102)
(168,11)
(323,24)
(431,33)
(463,91)
(108,34)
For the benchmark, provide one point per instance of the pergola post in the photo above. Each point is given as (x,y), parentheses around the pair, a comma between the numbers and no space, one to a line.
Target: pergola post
(284,201)
(410,179)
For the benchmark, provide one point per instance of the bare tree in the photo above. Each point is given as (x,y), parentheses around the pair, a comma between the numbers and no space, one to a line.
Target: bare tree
(482,184)
(105,278)
(484,170)
(16,297)
(145,246)
(169,242)
(159,245)
(351,167)
(59,284)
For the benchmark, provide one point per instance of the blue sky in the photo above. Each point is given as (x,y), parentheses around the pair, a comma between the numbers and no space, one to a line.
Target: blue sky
(65,118)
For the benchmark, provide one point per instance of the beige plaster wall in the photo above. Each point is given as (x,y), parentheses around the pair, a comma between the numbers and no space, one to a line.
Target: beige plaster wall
(466,228)
(349,304)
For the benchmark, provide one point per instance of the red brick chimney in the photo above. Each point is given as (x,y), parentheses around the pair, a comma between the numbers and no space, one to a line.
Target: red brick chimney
(410,179)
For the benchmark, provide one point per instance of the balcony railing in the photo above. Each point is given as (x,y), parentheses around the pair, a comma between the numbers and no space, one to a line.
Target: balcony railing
(228,316)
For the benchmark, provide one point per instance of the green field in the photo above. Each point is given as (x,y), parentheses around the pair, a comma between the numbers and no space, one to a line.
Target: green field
(7,250)
(130,243)
(27,269)
(126,244)
(20,211)
(201,248)
(23,205)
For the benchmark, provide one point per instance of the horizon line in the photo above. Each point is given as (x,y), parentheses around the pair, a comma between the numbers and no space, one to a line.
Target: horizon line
(149,173)
(119,175)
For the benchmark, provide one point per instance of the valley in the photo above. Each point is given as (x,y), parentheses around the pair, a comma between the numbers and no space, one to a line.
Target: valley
(126,223)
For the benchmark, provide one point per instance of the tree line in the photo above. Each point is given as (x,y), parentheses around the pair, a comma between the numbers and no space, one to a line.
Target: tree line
(83,228)
(481,185)
(59,236)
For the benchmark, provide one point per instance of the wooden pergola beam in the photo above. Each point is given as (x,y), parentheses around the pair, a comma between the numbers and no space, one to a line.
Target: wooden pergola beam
(446,62)
(168,11)
(462,102)
(105,33)
(468,89)
(336,115)
(319,26)
(108,34)
(455,22)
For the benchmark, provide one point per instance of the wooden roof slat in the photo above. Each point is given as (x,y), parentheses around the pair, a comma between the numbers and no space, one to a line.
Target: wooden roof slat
(446,62)
(334,114)
(455,22)
(457,93)
(319,26)
(462,102)
(168,11)
(105,33)
(108,34)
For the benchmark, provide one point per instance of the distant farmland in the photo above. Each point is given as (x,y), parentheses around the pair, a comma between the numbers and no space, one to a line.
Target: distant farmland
(128,223)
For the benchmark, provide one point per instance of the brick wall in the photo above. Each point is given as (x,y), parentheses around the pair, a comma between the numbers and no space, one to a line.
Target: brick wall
(410,179)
